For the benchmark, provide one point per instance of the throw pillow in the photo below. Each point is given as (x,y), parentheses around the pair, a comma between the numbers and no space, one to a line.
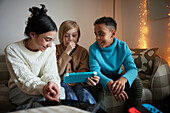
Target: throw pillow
(145,79)
(144,58)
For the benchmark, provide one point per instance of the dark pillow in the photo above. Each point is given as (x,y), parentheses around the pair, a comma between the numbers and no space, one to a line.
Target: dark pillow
(145,79)
(144,58)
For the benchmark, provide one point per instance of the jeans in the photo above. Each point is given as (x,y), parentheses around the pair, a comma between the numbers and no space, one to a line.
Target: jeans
(78,92)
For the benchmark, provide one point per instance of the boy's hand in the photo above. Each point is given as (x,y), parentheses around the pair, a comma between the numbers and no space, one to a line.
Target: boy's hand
(92,81)
(109,85)
(121,96)
(70,47)
(119,85)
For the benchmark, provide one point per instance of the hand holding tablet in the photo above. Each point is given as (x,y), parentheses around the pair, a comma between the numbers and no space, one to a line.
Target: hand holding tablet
(78,77)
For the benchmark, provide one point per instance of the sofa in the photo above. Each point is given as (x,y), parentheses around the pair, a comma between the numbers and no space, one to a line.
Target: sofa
(153,70)
(7,106)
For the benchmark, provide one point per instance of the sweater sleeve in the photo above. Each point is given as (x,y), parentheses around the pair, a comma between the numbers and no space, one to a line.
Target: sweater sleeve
(130,67)
(94,66)
(50,70)
(62,61)
(21,74)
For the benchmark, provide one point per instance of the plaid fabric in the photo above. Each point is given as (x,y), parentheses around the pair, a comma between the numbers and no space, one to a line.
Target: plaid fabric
(146,96)
(160,85)
(156,94)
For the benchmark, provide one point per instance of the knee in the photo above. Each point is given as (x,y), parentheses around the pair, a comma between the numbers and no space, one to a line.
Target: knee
(136,88)
(137,84)
(71,96)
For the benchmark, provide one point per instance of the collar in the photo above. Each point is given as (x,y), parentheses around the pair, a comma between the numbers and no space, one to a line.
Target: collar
(111,47)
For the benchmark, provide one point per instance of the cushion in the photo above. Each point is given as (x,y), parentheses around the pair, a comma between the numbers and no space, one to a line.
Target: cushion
(4,74)
(145,79)
(144,59)
(5,104)
(161,81)
(146,95)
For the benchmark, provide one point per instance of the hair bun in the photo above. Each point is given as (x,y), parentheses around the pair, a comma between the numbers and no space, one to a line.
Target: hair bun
(35,11)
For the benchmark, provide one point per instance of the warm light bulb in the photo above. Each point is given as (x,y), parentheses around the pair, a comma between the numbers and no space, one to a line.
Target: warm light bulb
(143,25)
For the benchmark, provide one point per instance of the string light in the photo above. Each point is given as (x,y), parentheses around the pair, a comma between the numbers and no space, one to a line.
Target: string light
(143,25)
(144,29)
(169,8)
(168,50)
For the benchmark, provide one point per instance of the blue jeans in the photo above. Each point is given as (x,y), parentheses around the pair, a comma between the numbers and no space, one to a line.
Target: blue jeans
(78,92)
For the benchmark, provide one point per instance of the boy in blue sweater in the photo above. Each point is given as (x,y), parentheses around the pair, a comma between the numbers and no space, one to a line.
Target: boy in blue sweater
(106,56)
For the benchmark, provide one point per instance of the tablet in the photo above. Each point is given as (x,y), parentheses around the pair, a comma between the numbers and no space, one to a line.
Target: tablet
(78,77)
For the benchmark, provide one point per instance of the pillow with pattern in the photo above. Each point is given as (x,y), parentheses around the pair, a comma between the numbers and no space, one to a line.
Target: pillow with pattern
(144,58)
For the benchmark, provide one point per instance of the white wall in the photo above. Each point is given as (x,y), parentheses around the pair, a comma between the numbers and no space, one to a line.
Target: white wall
(14,14)
(127,14)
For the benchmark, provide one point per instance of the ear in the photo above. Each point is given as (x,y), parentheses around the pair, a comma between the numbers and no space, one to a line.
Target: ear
(32,34)
(113,33)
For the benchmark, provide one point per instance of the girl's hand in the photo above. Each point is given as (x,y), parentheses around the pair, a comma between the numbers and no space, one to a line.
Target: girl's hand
(119,86)
(92,81)
(70,47)
(51,91)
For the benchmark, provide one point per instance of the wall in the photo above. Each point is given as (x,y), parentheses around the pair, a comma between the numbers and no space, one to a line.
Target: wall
(14,14)
(158,31)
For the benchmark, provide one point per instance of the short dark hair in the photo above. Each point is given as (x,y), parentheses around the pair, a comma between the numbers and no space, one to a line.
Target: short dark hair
(108,21)
(39,22)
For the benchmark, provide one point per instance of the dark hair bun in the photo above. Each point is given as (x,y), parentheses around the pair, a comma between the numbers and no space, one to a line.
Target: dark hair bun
(37,11)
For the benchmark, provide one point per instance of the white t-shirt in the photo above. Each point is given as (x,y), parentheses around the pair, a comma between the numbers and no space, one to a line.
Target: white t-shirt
(29,70)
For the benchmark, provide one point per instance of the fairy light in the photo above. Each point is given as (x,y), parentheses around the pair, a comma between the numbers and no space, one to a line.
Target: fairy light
(168,50)
(143,25)
(168,6)
(144,29)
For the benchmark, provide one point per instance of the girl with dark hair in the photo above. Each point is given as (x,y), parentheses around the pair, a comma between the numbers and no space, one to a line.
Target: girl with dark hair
(32,63)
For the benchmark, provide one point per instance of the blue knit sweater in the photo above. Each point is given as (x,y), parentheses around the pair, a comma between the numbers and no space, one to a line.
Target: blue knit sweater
(108,61)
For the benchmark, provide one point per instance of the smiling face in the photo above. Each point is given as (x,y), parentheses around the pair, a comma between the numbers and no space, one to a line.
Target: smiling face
(104,35)
(71,36)
(42,41)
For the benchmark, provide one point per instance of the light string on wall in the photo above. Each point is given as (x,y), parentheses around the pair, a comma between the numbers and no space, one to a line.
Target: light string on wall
(143,25)
(168,50)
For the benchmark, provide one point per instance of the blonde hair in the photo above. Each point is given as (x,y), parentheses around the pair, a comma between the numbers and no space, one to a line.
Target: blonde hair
(65,26)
